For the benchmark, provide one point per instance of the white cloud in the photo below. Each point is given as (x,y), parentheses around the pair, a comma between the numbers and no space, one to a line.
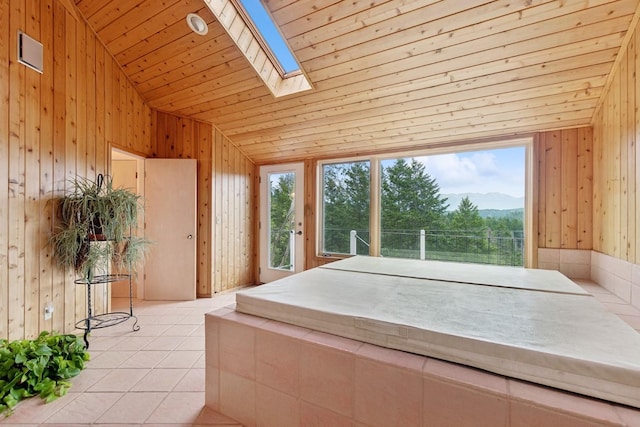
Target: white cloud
(477,172)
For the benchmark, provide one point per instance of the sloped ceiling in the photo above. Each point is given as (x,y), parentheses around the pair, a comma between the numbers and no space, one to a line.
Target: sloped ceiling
(386,75)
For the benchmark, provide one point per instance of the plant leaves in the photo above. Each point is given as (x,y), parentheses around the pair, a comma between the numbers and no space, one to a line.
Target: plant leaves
(40,366)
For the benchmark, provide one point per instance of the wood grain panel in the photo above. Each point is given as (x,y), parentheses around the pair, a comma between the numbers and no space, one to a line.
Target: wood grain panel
(563,183)
(584,207)
(226,253)
(52,129)
(616,128)
(569,179)
(4,167)
(16,202)
(32,217)
(553,162)
(46,161)
(540,178)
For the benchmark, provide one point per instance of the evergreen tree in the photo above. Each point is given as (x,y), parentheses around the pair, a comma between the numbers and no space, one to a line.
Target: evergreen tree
(411,201)
(468,228)
(346,205)
(506,225)
(282,220)
(466,217)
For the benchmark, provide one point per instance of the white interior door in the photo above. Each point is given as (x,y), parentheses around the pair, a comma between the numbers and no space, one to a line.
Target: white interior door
(281,221)
(170,224)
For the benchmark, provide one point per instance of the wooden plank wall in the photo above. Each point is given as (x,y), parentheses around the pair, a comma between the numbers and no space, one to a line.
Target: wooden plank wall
(53,127)
(226,243)
(563,185)
(616,128)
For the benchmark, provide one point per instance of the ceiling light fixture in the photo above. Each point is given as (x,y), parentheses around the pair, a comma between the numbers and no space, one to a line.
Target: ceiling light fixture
(197,24)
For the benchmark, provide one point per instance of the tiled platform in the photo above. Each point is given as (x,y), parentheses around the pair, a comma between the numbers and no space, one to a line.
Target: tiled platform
(153,377)
(529,324)
(266,373)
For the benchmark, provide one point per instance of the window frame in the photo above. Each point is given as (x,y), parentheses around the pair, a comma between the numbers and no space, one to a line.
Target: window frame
(320,202)
(375,190)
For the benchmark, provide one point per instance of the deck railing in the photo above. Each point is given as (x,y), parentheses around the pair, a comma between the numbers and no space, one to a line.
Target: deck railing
(486,247)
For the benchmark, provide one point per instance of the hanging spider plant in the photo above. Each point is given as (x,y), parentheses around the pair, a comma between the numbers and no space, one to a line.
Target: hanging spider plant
(96,227)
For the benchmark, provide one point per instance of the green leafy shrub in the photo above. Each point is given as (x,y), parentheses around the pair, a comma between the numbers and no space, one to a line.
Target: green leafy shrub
(39,367)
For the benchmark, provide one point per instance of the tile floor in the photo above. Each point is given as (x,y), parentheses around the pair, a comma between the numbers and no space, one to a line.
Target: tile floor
(155,377)
(152,377)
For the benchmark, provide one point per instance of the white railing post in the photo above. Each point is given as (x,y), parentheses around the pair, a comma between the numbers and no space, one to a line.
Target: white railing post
(422,246)
(352,242)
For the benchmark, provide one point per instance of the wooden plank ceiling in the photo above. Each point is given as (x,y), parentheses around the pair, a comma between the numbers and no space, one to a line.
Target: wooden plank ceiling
(386,75)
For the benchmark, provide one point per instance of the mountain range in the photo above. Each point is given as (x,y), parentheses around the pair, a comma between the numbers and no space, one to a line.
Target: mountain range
(496,201)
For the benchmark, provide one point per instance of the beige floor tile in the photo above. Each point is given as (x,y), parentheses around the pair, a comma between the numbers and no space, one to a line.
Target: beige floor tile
(201,363)
(133,408)
(192,343)
(86,408)
(192,381)
(133,343)
(198,332)
(108,359)
(112,425)
(64,425)
(178,407)
(180,330)
(164,343)
(150,330)
(160,380)
(180,359)
(193,319)
(34,410)
(87,378)
(159,319)
(102,343)
(119,380)
(209,417)
(145,359)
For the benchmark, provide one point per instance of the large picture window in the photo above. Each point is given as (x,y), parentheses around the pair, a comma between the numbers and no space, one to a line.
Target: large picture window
(346,205)
(464,206)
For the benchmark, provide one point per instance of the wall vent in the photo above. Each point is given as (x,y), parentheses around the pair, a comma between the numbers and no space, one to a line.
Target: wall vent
(30,52)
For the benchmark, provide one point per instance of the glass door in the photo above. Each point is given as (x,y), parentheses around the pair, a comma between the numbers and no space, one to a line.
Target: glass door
(281,221)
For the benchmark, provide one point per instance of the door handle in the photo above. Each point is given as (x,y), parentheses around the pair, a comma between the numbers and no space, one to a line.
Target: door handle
(190,236)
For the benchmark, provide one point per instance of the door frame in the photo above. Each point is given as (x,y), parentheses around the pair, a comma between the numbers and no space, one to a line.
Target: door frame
(116,153)
(266,274)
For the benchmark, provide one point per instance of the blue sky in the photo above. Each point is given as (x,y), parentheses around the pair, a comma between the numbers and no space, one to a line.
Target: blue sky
(500,170)
(271,35)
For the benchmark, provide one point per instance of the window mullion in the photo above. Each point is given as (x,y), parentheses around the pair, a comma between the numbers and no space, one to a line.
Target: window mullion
(374,212)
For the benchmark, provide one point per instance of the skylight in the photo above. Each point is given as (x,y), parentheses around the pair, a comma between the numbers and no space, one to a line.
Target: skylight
(270,35)
(250,27)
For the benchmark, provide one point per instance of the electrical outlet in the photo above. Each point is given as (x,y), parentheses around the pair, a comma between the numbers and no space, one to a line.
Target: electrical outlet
(48,311)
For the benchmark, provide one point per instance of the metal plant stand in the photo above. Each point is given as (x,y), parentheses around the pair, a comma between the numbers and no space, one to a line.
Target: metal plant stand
(105,320)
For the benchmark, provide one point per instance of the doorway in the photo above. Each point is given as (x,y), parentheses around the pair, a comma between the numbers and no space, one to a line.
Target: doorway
(127,171)
(281,221)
